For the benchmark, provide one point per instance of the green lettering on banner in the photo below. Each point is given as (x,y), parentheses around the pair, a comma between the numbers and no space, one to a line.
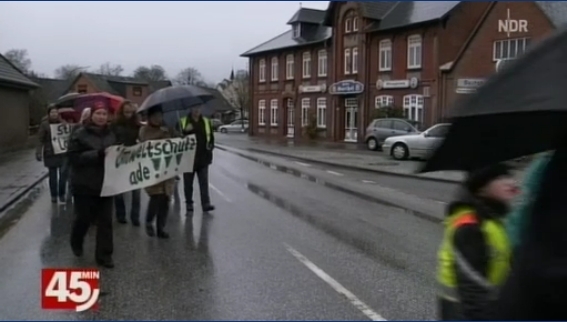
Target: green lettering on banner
(157,163)
(178,158)
(167,161)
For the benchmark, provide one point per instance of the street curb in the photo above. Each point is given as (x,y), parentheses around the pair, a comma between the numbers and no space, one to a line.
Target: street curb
(435,218)
(350,167)
(5,216)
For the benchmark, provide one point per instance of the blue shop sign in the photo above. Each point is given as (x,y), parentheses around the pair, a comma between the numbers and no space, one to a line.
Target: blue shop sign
(346,87)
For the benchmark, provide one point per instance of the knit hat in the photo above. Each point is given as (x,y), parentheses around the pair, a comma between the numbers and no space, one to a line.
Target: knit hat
(478,179)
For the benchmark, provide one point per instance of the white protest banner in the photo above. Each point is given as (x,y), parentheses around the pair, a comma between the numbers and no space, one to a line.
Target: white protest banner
(146,163)
(60,137)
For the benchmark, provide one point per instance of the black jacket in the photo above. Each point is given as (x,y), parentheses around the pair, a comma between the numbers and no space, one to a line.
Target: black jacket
(126,132)
(204,151)
(86,155)
(476,302)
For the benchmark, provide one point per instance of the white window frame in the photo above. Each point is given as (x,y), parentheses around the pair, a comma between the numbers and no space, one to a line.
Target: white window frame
(262,71)
(384,101)
(415,51)
(322,112)
(322,63)
(348,25)
(305,105)
(306,65)
(348,61)
(297,30)
(262,112)
(414,101)
(290,67)
(385,55)
(355,24)
(504,50)
(274,112)
(275,69)
(355,60)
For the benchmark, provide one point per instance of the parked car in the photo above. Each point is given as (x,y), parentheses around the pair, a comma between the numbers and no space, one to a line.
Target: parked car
(235,126)
(216,124)
(418,145)
(381,129)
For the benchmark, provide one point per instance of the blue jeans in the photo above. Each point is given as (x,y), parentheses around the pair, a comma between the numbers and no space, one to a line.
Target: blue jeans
(57,182)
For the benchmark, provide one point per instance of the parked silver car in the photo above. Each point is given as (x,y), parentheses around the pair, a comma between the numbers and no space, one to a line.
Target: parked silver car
(418,145)
(233,127)
(381,129)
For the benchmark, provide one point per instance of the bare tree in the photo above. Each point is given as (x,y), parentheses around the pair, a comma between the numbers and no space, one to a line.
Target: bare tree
(68,71)
(237,91)
(108,69)
(20,59)
(190,76)
(154,73)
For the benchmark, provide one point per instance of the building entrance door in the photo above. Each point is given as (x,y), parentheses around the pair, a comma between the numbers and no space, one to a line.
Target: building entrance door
(351,120)
(290,119)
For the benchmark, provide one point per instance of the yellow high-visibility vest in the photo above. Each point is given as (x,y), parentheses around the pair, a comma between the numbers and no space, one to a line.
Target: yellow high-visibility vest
(208,125)
(500,255)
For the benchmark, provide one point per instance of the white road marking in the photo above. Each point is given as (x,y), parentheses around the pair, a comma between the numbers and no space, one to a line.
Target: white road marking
(368,181)
(220,193)
(355,301)
(273,167)
(302,164)
(335,173)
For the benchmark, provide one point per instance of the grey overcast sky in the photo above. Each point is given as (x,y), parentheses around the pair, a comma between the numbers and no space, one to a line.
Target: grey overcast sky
(207,35)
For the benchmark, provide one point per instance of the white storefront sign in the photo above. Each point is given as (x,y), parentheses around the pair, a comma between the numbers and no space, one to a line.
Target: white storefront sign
(147,163)
(469,85)
(312,88)
(397,84)
(60,137)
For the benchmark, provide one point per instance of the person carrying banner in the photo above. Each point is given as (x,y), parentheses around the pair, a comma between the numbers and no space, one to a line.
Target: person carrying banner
(159,193)
(126,127)
(52,161)
(203,129)
(87,150)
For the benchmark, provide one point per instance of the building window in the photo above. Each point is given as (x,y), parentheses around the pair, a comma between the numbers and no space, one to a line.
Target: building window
(414,51)
(322,63)
(322,112)
(510,48)
(305,104)
(348,61)
(274,113)
(137,91)
(82,89)
(306,64)
(348,25)
(384,101)
(297,30)
(274,69)
(385,55)
(289,67)
(355,60)
(413,107)
(262,70)
(355,24)
(262,112)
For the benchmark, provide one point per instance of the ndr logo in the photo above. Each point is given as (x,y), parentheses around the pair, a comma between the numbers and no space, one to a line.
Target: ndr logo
(512,25)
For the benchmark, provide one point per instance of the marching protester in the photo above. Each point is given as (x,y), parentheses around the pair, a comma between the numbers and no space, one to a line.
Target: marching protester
(87,149)
(468,272)
(54,162)
(126,127)
(202,128)
(159,193)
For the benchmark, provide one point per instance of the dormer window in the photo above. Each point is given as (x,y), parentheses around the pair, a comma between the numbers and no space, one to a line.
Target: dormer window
(296,30)
(355,24)
(348,25)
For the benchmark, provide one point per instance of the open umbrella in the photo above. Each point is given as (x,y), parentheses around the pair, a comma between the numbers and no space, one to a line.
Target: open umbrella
(67,100)
(522,110)
(176,101)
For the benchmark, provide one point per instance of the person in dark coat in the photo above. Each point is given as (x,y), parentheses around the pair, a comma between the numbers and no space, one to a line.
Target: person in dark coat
(126,128)
(87,150)
(54,162)
(469,274)
(202,128)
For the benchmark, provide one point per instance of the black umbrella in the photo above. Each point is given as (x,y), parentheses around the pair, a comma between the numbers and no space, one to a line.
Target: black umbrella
(520,111)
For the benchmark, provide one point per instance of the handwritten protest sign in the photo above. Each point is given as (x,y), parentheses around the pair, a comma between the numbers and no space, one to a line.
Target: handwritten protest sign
(147,163)
(60,137)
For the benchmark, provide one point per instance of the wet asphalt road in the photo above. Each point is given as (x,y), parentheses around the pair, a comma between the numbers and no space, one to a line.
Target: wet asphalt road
(276,248)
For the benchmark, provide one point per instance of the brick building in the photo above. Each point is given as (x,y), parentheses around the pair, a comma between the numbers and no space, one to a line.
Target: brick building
(339,65)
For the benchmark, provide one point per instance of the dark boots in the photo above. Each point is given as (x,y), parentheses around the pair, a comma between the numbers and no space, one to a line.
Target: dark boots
(158,208)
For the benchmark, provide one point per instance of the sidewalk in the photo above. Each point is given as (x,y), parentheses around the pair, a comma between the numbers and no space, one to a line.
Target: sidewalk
(332,154)
(20,172)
